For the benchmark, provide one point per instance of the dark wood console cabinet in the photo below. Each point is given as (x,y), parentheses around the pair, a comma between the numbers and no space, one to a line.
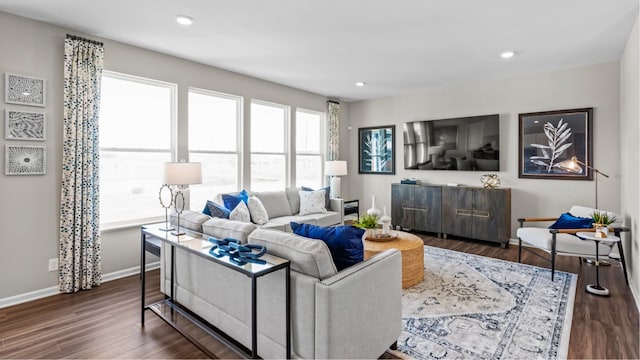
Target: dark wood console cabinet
(472,212)
(417,207)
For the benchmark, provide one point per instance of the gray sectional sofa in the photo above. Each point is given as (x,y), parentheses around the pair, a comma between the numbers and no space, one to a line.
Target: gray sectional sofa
(354,313)
(282,207)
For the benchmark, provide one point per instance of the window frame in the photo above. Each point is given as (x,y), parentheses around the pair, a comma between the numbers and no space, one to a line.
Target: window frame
(239,129)
(323,144)
(173,134)
(287,151)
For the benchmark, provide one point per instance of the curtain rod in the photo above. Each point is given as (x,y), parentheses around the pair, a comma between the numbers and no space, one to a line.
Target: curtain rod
(333,101)
(73,37)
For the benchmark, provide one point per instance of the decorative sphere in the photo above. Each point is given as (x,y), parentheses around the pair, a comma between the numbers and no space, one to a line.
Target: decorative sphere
(490,181)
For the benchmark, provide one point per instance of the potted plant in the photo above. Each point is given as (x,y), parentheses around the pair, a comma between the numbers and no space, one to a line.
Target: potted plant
(601,222)
(366,221)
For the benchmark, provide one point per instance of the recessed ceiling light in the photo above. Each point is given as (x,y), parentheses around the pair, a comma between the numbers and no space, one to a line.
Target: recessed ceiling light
(184,20)
(361,83)
(507,54)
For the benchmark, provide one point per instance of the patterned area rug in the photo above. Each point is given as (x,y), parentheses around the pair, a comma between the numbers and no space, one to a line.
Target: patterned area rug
(474,307)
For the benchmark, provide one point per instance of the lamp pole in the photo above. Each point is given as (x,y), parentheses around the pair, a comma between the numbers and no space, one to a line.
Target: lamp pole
(595,171)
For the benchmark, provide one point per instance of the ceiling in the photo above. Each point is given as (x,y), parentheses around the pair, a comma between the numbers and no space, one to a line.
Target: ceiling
(325,46)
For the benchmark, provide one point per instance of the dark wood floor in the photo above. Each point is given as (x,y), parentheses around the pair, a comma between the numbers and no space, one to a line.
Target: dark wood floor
(105,322)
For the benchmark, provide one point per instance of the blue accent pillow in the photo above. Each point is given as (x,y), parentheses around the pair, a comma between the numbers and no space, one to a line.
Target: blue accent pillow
(568,221)
(232,200)
(327,202)
(216,210)
(344,242)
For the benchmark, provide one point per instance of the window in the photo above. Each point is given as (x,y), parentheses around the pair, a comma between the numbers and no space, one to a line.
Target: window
(137,118)
(310,130)
(214,129)
(269,146)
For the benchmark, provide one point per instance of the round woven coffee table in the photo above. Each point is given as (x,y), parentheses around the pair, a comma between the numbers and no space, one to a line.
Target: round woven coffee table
(412,249)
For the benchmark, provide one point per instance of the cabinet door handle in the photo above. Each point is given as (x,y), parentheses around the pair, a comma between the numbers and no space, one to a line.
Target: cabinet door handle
(414,209)
(482,214)
(464,212)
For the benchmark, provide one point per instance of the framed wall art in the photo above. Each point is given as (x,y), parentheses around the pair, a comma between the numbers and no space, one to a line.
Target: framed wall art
(556,145)
(24,90)
(24,160)
(24,125)
(376,150)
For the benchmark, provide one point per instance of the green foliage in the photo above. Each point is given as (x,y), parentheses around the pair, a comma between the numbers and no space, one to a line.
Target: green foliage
(602,217)
(366,221)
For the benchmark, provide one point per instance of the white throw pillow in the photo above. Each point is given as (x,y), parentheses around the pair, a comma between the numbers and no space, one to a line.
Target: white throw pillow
(240,213)
(258,212)
(312,202)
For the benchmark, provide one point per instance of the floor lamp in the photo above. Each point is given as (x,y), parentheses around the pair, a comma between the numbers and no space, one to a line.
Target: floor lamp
(573,165)
(335,169)
(181,174)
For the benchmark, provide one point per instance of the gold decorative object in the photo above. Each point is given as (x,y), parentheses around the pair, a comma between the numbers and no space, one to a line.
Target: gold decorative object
(490,181)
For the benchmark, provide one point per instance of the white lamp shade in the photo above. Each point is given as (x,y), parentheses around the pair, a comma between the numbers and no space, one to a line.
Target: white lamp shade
(335,168)
(182,173)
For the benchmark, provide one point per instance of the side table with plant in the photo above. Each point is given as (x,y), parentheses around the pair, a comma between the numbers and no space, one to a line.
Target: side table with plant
(601,222)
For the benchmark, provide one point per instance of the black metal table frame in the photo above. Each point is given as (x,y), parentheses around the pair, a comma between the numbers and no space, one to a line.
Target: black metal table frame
(174,306)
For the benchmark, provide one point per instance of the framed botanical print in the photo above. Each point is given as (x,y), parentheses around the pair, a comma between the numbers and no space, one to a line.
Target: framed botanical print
(376,150)
(556,145)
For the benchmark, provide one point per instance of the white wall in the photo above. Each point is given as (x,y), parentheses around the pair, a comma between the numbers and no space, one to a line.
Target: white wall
(594,86)
(29,215)
(630,155)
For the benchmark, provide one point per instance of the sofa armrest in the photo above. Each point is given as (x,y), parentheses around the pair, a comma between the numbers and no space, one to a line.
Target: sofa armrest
(337,204)
(359,310)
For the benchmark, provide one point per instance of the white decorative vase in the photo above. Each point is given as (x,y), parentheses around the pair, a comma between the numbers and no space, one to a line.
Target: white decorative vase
(373,211)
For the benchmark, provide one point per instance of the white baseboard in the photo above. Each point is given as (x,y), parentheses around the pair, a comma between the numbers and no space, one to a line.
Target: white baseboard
(54,290)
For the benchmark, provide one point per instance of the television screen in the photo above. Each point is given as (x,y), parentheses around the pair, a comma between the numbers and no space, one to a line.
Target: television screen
(466,143)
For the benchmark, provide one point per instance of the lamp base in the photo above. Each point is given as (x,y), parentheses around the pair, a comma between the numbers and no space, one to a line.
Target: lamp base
(335,184)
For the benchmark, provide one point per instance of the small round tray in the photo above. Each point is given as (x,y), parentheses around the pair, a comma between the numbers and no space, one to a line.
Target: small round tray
(377,235)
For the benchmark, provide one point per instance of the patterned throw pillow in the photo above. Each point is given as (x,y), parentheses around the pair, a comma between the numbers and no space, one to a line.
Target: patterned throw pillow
(257,211)
(312,202)
(240,213)
(327,199)
(216,210)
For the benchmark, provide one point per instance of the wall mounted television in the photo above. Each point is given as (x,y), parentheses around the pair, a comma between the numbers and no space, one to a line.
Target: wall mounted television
(466,143)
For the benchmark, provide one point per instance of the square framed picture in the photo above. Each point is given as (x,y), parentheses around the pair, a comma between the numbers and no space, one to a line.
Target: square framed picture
(25,160)
(556,145)
(376,150)
(24,125)
(24,90)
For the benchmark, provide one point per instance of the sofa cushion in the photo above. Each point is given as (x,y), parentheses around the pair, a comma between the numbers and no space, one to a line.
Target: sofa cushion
(344,242)
(240,213)
(216,210)
(223,228)
(257,211)
(568,221)
(294,199)
(231,200)
(327,202)
(312,202)
(275,202)
(307,256)
(191,220)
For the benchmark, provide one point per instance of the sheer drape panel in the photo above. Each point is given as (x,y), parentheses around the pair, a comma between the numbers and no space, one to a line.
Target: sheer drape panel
(80,259)
(333,109)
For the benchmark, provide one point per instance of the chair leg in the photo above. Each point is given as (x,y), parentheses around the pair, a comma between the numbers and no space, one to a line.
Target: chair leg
(519,250)
(624,265)
(553,256)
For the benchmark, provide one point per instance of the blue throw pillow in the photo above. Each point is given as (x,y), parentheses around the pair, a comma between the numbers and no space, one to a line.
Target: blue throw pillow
(568,221)
(216,210)
(327,202)
(232,200)
(344,242)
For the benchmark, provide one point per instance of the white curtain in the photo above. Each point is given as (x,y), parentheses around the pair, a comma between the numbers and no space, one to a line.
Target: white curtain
(80,260)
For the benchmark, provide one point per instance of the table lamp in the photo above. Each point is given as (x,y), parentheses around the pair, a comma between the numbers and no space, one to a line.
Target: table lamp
(573,166)
(181,174)
(335,169)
